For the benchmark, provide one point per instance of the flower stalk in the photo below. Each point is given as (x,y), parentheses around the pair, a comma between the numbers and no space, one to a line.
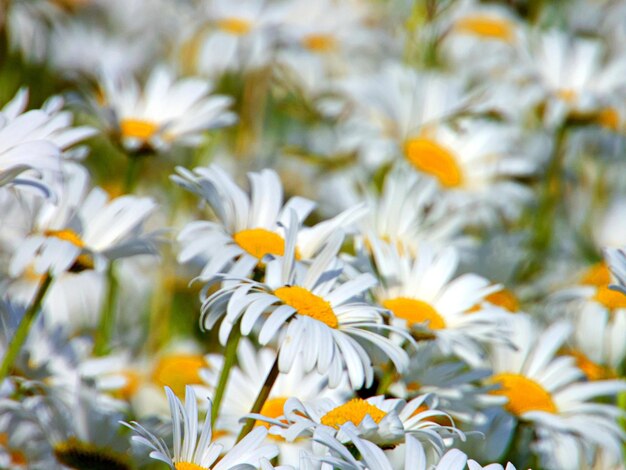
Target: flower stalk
(229,360)
(24,327)
(261,398)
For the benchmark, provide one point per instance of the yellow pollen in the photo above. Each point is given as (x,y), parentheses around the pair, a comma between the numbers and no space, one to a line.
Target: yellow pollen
(609,118)
(524,394)
(260,242)
(599,276)
(67,235)
(235,26)
(415,311)
(353,411)
(178,370)
(308,304)
(138,129)
(486,27)
(188,466)
(430,157)
(319,42)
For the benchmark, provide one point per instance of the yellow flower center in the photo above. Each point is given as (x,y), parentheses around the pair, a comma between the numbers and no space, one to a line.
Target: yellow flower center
(486,27)
(430,157)
(415,311)
(592,370)
(308,304)
(503,298)
(188,466)
(178,370)
(524,394)
(138,129)
(610,298)
(235,26)
(319,42)
(260,242)
(67,235)
(609,118)
(133,381)
(599,276)
(353,411)
(272,408)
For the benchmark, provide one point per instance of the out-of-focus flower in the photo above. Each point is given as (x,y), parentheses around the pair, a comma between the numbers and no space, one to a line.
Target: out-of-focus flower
(235,36)
(31,142)
(423,297)
(573,73)
(398,103)
(165,112)
(84,230)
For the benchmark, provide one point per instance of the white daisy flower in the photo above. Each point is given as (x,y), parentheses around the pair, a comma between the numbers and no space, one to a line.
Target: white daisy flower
(315,315)
(397,103)
(249,227)
(191,453)
(311,28)
(386,422)
(599,314)
(241,36)
(573,74)
(480,39)
(84,230)
(475,164)
(164,112)
(548,392)
(424,297)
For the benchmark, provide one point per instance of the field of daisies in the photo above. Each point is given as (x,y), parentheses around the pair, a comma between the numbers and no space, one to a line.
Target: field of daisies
(312,234)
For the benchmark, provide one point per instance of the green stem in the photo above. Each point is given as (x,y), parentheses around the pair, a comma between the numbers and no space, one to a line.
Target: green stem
(107,317)
(545,215)
(229,359)
(132,172)
(24,327)
(261,398)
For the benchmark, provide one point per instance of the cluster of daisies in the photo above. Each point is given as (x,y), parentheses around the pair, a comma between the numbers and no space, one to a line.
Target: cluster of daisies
(295,234)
